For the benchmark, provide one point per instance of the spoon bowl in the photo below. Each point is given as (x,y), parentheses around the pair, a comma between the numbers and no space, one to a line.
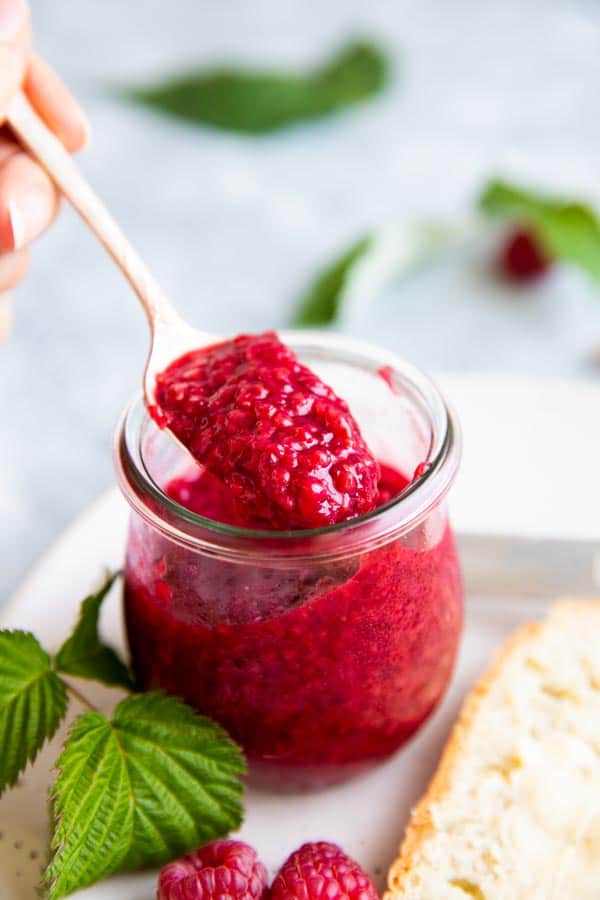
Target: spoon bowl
(171,337)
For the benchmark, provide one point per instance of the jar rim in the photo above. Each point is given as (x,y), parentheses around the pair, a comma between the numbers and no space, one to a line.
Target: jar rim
(360,534)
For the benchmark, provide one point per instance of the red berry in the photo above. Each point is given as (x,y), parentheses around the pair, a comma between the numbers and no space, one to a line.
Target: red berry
(523,258)
(221,869)
(321,871)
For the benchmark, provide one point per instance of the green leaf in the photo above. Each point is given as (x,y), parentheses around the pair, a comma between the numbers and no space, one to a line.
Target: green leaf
(33,701)
(156,781)
(250,101)
(320,304)
(83,653)
(503,198)
(370,265)
(568,230)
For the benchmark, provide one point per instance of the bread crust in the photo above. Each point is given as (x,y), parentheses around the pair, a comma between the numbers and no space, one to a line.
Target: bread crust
(421,825)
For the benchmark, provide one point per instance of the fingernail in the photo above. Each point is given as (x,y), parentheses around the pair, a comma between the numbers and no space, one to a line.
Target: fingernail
(12,14)
(18,225)
(31,209)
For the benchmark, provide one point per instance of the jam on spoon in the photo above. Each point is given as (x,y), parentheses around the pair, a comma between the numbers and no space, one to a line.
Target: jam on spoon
(285,445)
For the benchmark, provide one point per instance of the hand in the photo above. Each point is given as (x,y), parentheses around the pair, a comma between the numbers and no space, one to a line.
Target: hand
(28,199)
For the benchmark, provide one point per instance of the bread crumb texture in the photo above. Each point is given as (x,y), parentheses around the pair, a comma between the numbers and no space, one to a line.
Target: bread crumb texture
(513,812)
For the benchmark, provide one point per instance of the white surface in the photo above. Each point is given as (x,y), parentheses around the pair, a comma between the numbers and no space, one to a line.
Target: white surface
(531,456)
(532,415)
(235,227)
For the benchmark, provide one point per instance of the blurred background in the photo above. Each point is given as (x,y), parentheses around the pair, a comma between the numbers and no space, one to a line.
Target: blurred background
(236,227)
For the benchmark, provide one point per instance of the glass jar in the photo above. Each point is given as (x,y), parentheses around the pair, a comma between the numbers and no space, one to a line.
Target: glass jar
(319,651)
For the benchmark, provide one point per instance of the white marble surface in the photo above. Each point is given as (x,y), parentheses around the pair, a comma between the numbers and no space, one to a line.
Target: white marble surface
(234,227)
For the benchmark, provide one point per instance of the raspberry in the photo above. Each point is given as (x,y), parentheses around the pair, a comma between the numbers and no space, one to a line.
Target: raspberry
(284,444)
(222,869)
(522,257)
(321,871)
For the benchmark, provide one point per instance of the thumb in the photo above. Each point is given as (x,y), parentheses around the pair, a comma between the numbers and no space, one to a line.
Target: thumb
(14,49)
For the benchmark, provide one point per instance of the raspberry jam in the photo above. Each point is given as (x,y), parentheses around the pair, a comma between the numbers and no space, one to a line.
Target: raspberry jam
(285,445)
(322,651)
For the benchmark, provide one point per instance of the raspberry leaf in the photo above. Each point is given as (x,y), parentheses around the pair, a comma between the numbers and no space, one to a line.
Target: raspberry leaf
(250,101)
(83,653)
(568,230)
(33,701)
(138,790)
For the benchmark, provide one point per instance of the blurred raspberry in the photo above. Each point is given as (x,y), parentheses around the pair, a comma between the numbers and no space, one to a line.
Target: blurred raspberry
(220,869)
(522,257)
(321,871)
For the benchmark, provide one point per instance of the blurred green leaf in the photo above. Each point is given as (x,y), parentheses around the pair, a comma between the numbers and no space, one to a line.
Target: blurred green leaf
(568,230)
(372,264)
(251,101)
(320,304)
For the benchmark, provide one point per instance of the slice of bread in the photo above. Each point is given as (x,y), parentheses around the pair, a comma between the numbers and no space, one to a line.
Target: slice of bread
(513,811)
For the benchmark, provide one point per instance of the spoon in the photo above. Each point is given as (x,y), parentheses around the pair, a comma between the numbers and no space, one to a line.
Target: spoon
(171,337)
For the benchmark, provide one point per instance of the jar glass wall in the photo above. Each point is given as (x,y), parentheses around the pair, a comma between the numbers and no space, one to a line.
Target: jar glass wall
(319,651)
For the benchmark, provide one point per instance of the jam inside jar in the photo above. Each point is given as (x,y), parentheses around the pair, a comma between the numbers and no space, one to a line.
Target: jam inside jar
(319,651)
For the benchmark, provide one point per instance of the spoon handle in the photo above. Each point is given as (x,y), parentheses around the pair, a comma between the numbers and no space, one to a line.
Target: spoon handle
(45,147)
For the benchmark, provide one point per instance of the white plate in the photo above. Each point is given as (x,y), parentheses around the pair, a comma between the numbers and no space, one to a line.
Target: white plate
(366,817)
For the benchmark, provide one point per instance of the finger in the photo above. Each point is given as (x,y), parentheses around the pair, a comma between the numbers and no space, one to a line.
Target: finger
(56,105)
(6,316)
(13,267)
(14,49)
(28,202)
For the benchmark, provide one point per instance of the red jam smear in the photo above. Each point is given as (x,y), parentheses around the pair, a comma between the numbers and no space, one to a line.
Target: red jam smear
(318,669)
(286,446)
